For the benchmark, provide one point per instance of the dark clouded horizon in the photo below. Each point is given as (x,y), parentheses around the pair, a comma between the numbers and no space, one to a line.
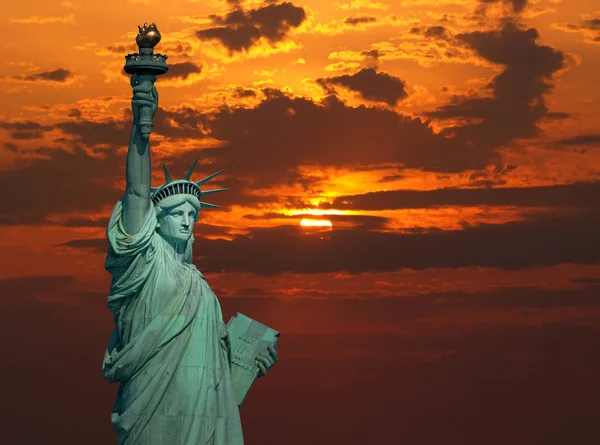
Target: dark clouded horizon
(239,29)
(412,203)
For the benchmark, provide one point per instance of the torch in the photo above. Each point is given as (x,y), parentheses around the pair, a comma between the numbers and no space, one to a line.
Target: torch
(144,67)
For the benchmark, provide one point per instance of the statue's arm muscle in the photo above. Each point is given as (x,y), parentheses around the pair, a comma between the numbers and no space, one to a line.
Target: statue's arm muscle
(136,202)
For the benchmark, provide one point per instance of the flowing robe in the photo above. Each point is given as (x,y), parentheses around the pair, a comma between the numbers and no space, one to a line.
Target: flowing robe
(168,349)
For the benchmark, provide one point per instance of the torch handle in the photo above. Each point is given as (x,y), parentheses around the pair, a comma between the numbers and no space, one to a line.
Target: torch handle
(146,122)
(146,113)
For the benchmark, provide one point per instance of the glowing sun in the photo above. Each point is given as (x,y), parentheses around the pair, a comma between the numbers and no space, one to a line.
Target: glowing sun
(308,222)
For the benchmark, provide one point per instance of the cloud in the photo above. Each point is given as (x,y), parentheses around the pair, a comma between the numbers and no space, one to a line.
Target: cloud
(241,92)
(533,242)
(517,102)
(363,4)
(356,23)
(13,148)
(81,180)
(239,30)
(370,84)
(584,139)
(329,133)
(23,130)
(579,195)
(545,240)
(29,287)
(431,32)
(184,69)
(588,27)
(44,20)
(59,75)
(591,23)
(62,183)
(517,5)
(359,20)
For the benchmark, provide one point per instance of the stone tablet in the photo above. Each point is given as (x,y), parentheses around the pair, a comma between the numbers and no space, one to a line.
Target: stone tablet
(247,338)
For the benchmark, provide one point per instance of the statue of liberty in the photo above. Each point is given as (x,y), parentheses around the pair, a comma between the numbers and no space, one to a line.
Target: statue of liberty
(169,350)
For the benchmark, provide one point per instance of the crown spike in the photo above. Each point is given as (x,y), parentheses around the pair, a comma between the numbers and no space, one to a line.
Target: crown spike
(206,204)
(167,175)
(188,175)
(209,177)
(209,192)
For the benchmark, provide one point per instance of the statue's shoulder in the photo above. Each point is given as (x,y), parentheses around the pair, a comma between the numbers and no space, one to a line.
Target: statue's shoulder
(195,269)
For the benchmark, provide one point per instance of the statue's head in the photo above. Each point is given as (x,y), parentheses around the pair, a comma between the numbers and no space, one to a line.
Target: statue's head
(177,205)
(176,216)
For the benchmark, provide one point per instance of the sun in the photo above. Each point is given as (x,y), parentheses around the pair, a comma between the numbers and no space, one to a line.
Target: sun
(309,222)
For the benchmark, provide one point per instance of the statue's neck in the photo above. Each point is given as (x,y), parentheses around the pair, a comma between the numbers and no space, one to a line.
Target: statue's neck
(175,250)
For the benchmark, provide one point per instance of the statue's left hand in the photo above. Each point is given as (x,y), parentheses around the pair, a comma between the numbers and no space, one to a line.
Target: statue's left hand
(266,360)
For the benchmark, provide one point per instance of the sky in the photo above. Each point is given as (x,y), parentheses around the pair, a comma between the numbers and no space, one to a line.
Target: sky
(412,204)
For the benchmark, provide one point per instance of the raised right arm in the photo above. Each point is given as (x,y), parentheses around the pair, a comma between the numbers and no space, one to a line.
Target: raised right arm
(136,201)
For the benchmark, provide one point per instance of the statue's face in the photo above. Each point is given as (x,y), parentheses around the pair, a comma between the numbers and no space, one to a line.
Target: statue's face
(177,225)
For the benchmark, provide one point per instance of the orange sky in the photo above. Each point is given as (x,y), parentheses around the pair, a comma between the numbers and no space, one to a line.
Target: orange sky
(453,146)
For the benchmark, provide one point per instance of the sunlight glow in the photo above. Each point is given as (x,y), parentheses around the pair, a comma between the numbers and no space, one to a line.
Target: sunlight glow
(306,222)
(314,212)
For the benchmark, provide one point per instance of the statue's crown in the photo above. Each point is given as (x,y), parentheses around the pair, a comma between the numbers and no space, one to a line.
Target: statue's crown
(184,187)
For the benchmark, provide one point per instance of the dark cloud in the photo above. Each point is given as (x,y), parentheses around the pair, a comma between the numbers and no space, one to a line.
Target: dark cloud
(74,113)
(431,32)
(370,84)
(179,48)
(26,135)
(436,32)
(537,241)
(372,53)
(188,123)
(241,92)
(557,115)
(584,139)
(122,49)
(183,69)
(390,178)
(24,126)
(59,75)
(114,133)
(517,5)
(85,222)
(517,103)
(577,195)
(330,133)
(78,181)
(62,183)
(98,244)
(307,128)
(354,21)
(239,30)
(593,24)
(13,148)
(28,287)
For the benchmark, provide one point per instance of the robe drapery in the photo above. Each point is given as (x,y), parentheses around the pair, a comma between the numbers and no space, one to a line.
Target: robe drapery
(167,348)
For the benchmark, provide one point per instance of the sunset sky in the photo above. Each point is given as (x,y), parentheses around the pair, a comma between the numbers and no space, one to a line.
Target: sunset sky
(413,204)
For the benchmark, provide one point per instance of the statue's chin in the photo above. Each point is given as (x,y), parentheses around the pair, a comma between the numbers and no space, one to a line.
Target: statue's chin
(176,239)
